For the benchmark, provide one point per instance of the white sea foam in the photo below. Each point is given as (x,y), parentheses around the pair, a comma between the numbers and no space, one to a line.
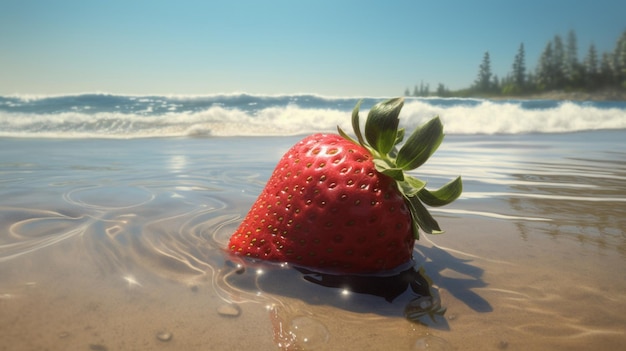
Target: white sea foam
(113,116)
(512,118)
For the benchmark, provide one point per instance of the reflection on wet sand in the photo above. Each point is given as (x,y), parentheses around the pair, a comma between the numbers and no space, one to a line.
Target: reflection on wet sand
(593,216)
(127,253)
(408,292)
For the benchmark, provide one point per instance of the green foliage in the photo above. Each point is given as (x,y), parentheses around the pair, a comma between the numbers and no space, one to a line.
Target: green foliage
(591,68)
(483,81)
(382,137)
(422,90)
(381,127)
(620,60)
(574,71)
(442,91)
(519,69)
(545,68)
(512,89)
(558,68)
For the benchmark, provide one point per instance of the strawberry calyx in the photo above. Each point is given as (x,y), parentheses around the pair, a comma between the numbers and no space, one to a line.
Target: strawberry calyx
(383,140)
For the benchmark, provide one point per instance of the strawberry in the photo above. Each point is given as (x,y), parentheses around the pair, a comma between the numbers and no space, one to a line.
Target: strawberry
(347,206)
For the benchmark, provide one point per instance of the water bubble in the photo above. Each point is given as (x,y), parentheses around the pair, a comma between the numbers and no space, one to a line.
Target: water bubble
(164,336)
(430,342)
(309,333)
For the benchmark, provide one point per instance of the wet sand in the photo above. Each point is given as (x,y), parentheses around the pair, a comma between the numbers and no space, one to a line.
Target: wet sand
(117,244)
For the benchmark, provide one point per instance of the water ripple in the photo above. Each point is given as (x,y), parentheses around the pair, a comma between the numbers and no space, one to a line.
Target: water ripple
(31,230)
(169,219)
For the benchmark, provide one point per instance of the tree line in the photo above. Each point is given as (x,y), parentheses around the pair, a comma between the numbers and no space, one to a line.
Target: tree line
(558,68)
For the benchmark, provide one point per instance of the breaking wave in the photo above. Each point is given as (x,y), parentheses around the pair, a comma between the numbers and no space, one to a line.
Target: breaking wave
(123,116)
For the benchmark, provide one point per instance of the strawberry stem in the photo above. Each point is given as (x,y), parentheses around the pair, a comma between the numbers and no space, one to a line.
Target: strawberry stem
(382,138)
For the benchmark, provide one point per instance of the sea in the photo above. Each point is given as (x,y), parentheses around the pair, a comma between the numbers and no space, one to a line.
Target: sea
(129,117)
(115,211)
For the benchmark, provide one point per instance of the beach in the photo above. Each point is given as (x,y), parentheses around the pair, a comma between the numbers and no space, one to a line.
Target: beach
(110,244)
(160,161)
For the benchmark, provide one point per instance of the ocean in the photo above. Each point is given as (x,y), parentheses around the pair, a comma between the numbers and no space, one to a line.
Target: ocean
(127,117)
(115,212)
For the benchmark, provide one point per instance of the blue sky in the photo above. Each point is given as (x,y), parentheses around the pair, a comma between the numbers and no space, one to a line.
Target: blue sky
(334,48)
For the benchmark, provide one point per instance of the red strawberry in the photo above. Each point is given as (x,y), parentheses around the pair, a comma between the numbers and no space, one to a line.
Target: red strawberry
(335,204)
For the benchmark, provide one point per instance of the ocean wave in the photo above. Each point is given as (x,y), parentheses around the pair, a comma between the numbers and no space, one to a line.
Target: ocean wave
(488,117)
(129,116)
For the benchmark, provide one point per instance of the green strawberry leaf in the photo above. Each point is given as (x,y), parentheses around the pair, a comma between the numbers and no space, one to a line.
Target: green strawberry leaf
(400,136)
(411,185)
(382,139)
(442,196)
(423,218)
(406,189)
(381,126)
(395,173)
(420,145)
(345,135)
(394,151)
(415,227)
(387,168)
(355,123)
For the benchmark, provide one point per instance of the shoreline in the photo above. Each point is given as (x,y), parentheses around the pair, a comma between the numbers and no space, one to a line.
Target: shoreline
(613,95)
(604,95)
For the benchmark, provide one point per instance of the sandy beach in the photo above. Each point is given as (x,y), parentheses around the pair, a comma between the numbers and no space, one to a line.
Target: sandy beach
(118,245)
(136,138)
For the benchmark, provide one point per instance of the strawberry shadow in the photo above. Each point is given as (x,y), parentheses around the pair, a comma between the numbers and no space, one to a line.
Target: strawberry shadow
(436,261)
(404,293)
(410,291)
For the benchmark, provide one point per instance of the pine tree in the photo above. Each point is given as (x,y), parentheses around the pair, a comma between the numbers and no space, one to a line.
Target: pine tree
(530,79)
(495,84)
(519,68)
(483,81)
(422,89)
(545,69)
(441,90)
(606,76)
(558,63)
(619,56)
(572,69)
(425,89)
(591,68)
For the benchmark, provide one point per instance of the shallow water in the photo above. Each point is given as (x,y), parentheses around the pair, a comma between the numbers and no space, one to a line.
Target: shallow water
(118,244)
